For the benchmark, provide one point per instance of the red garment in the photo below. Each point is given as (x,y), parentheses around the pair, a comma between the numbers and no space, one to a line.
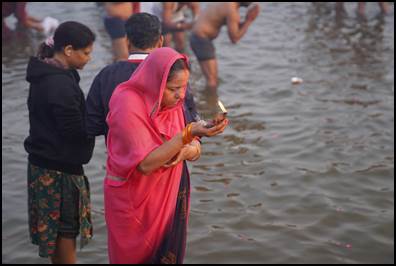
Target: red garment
(140,209)
(9,8)
(136,7)
(18,8)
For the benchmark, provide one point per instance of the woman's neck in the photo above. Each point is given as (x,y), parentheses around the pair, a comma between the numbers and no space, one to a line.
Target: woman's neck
(61,59)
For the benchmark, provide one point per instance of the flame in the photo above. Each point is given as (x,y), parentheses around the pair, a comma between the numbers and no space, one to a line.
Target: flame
(221,106)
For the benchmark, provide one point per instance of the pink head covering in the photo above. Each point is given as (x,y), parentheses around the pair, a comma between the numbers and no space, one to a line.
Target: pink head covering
(136,127)
(135,117)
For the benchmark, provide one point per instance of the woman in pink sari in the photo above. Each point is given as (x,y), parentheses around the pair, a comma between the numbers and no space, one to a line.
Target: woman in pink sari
(147,183)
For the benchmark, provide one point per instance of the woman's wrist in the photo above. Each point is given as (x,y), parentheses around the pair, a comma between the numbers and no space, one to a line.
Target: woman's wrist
(187,134)
(197,154)
(197,150)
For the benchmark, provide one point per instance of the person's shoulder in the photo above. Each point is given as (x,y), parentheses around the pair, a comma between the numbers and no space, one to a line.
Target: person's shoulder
(221,9)
(125,92)
(68,79)
(109,68)
(62,88)
(127,99)
(116,67)
(112,75)
(108,72)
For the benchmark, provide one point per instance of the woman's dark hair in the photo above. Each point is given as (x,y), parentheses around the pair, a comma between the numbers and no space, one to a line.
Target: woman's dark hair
(143,30)
(68,33)
(180,64)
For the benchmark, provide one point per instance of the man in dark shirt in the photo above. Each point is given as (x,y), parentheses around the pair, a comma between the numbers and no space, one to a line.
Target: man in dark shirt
(144,35)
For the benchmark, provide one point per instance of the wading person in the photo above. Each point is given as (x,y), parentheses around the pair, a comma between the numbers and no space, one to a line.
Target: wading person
(207,28)
(58,146)
(147,183)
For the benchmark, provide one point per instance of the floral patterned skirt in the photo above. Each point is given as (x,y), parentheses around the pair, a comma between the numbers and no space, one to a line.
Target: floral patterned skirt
(58,203)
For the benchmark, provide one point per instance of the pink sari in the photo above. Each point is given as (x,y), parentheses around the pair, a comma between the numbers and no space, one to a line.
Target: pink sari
(140,210)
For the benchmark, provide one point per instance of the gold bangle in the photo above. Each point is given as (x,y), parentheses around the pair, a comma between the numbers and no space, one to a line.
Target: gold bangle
(187,136)
(191,137)
(189,132)
(184,136)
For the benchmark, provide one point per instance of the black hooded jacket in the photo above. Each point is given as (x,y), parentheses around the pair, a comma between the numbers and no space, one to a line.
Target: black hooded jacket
(57,137)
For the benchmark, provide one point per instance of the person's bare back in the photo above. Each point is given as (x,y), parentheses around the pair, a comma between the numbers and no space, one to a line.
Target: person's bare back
(207,27)
(214,16)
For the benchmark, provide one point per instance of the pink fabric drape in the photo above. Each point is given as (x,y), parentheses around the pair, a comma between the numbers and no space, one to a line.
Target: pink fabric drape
(140,209)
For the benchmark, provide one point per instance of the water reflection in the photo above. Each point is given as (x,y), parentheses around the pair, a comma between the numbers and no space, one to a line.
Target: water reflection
(339,34)
(21,46)
(296,164)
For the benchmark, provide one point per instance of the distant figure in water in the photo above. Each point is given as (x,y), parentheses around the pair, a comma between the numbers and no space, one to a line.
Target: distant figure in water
(384,6)
(174,21)
(117,14)
(59,207)
(19,10)
(207,28)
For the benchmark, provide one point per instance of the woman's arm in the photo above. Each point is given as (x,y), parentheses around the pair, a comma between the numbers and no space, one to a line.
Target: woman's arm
(194,151)
(164,153)
(161,155)
(190,152)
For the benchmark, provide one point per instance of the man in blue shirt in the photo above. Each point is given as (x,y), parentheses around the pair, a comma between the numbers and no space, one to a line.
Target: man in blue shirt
(144,35)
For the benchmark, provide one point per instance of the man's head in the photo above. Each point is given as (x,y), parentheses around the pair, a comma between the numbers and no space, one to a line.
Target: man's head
(143,31)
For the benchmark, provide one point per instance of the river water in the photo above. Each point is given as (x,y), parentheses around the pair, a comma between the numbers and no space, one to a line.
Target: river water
(303,174)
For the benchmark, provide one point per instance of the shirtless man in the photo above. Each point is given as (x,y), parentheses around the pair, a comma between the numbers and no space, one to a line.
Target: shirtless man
(207,28)
(174,24)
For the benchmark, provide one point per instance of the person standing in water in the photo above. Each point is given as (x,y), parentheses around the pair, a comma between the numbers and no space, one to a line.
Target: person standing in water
(174,23)
(117,14)
(58,146)
(47,25)
(147,184)
(207,28)
(361,10)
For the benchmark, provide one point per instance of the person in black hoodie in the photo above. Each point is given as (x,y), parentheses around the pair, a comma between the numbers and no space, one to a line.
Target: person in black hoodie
(58,146)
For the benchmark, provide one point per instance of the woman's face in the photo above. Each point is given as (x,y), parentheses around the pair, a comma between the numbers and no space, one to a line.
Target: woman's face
(78,58)
(174,91)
